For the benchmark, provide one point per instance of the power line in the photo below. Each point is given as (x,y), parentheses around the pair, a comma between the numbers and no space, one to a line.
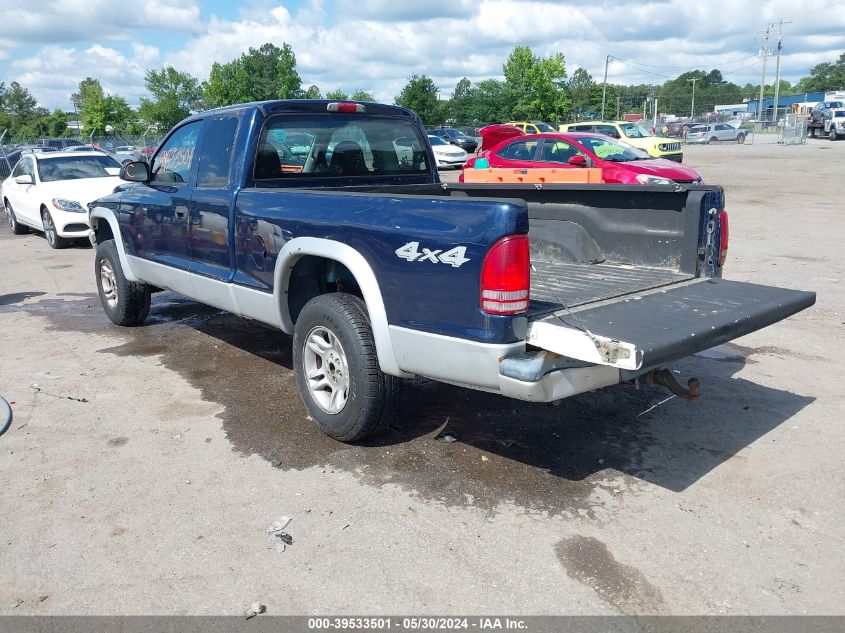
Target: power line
(714,64)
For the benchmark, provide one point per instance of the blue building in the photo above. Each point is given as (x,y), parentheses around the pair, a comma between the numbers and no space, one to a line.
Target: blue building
(785,103)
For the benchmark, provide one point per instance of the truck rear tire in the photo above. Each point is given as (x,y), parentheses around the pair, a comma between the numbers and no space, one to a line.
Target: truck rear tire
(337,369)
(125,302)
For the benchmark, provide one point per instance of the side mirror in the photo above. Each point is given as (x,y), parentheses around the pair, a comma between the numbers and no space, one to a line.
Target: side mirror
(136,171)
(26,179)
(577,161)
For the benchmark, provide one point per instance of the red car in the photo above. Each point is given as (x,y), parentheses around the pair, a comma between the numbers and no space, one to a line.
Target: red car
(620,163)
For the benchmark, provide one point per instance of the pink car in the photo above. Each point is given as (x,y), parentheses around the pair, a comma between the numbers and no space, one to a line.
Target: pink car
(620,163)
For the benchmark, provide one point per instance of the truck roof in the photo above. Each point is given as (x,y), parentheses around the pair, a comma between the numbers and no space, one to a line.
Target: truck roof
(308,105)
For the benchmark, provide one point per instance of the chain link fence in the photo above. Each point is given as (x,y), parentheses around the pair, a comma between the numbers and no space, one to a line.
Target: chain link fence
(794,130)
(142,147)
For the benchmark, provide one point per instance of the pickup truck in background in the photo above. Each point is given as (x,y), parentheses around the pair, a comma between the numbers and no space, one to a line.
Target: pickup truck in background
(380,271)
(816,121)
(834,123)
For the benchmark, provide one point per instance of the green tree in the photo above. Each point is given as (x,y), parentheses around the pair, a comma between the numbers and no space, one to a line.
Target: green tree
(824,77)
(536,86)
(580,88)
(461,102)
(313,92)
(420,95)
(338,95)
(227,84)
(19,103)
(288,84)
(489,102)
(57,123)
(173,96)
(362,95)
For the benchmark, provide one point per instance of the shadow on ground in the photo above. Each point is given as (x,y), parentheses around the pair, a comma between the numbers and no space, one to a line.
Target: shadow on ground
(539,456)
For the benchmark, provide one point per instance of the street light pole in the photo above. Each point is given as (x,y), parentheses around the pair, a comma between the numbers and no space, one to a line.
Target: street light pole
(692,109)
(604,89)
(777,70)
(765,52)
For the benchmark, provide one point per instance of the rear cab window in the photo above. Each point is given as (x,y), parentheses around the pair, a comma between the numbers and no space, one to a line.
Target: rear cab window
(320,145)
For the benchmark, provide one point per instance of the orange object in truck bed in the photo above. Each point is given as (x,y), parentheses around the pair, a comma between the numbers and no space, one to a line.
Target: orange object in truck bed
(586,175)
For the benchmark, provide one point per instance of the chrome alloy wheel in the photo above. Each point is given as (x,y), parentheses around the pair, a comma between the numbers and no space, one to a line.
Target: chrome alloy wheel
(49,228)
(326,369)
(108,282)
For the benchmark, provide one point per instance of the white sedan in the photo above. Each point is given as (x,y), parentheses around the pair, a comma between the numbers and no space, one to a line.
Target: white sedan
(50,192)
(446,154)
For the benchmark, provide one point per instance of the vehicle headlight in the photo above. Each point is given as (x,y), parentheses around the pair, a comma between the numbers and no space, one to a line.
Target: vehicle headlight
(72,206)
(663,147)
(645,179)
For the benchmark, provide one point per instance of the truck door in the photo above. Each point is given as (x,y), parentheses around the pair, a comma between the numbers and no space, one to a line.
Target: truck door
(156,215)
(212,200)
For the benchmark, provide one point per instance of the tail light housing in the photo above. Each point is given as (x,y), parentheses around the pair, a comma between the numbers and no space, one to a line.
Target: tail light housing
(506,276)
(724,234)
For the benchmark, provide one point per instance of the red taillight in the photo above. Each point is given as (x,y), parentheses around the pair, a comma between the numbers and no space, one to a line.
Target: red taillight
(339,106)
(506,276)
(723,237)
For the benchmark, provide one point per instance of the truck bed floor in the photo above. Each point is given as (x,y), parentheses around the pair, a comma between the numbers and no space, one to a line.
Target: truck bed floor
(577,284)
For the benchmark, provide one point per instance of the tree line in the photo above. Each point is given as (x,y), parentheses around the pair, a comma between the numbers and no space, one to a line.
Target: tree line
(532,87)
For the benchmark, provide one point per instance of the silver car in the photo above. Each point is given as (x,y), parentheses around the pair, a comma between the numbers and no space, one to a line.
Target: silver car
(127,153)
(715,132)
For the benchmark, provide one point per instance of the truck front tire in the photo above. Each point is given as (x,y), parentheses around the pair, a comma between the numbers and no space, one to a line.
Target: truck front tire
(125,302)
(337,369)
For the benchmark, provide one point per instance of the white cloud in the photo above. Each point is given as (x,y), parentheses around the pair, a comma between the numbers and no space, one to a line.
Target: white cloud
(69,21)
(54,74)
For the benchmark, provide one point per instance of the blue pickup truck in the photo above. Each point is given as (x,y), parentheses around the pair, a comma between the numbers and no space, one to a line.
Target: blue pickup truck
(328,221)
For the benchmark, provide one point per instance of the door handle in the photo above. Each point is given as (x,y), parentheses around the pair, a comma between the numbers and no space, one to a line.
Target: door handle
(181,213)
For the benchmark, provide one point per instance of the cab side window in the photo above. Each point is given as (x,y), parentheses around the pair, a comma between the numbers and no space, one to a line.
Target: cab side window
(172,164)
(216,155)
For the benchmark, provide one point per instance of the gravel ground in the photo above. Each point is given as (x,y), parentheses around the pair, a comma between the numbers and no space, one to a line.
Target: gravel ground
(144,466)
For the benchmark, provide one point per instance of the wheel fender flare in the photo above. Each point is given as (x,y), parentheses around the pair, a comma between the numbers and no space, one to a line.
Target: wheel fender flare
(99,214)
(299,247)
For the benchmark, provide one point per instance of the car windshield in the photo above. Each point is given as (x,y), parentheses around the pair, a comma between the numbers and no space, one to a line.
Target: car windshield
(838,114)
(436,140)
(75,167)
(634,130)
(611,149)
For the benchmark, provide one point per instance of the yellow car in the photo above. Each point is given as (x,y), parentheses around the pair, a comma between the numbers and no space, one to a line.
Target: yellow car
(633,133)
(532,127)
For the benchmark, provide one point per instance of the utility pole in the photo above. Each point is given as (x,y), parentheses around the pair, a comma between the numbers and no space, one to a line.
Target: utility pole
(604,86)
(777,68)
(765,52)
(617,107)
(692,109)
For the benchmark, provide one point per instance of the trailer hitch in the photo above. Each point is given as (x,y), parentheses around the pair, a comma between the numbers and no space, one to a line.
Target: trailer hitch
(665,378)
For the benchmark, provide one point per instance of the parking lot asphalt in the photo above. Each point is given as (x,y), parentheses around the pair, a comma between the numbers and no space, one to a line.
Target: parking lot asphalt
(144,466)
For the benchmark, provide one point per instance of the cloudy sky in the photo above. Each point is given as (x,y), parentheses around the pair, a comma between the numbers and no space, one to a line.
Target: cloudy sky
(50,45)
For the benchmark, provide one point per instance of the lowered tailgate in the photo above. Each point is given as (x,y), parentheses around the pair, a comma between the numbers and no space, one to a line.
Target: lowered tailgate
(643,331)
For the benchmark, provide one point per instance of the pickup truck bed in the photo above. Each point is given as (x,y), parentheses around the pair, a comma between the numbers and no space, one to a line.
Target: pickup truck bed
(574,285)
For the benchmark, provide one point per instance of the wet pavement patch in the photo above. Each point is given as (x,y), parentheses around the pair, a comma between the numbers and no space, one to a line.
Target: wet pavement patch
(589,561)
(541,457)
(18,297)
